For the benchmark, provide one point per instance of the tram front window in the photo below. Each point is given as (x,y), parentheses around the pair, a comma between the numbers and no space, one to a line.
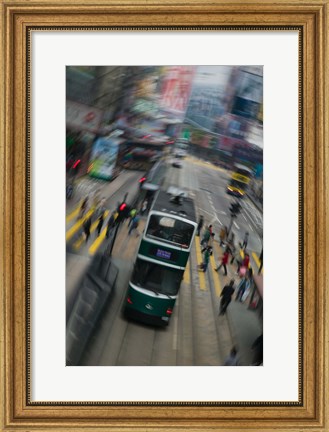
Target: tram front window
(170,230)
(157,278)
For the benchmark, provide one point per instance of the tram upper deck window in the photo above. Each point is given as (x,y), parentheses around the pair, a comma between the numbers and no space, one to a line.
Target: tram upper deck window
(170,230)
(157,278)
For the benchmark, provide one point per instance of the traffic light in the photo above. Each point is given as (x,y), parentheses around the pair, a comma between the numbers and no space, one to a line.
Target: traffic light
(76,163)
(141,181)
(235,209)
(123,211)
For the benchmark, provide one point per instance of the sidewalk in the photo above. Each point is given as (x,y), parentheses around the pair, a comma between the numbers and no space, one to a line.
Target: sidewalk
(244,323)
(245,327)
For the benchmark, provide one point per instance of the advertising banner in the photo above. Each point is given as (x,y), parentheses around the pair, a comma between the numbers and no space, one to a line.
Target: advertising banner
(104,157)
(176,88)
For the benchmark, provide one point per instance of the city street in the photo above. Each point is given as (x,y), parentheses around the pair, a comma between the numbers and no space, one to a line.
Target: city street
(196,335)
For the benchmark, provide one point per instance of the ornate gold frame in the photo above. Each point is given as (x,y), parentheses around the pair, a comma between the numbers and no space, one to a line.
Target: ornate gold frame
(311,413)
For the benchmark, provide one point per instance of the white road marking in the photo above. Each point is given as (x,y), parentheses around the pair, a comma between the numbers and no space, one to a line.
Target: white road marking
(211,214)
(236,225)
(205,211)
(216,218)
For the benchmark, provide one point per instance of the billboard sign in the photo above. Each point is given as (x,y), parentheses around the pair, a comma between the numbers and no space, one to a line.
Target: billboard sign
(176,88)
(104,157)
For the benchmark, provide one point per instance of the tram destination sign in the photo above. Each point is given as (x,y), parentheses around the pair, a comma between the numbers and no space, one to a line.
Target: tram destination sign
(177,257)
(163,254)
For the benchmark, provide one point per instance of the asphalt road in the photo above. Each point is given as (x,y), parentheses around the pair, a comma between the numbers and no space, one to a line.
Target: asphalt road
(196,334)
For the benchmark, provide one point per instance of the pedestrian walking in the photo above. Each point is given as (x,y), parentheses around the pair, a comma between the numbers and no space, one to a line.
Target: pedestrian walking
(110,224)
(235,255)
(223,262)
(261,262)
(210,242)
(231,239)
(230,244)
(206,257)
(206,236)
(132,214)
(257,347)
(241,288)
(244,286)
(245,241)
(226,297)
(144,207)
(86,228)
(134,225)
(244,263)
(83,208)
(200,225)
(222,236)
(229,249)
(232,359)
(100,224)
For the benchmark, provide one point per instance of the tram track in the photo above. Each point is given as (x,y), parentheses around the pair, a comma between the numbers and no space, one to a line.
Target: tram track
(221,323)
(200,299)
(195,333)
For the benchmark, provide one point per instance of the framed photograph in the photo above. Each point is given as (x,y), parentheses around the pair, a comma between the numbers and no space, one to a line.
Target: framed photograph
(150,152)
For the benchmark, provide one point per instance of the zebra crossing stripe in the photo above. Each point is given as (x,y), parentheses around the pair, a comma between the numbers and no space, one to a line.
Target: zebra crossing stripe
(80,240)
(93,248)
(256,259)
(255,256)
(74,213)
(70,233)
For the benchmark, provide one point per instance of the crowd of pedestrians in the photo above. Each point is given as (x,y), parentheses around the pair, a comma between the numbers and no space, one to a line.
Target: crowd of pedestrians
(93,209)
(233,254)
(239,290)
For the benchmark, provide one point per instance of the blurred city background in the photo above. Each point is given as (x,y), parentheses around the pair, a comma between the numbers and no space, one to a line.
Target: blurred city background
(195,135)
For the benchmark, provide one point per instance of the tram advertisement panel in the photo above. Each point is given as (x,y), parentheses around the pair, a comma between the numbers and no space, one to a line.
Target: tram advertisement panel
(103,157)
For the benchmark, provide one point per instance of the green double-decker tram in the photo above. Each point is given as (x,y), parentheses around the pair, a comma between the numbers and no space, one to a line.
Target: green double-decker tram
(161,260)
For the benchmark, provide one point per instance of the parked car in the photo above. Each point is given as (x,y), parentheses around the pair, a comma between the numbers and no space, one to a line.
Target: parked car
(177,163)
(180,154)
